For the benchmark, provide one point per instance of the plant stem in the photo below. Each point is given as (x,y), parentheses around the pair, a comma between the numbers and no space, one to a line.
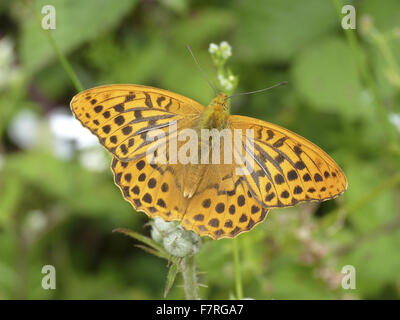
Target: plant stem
(63,60)
(189,278)
(383,45)
(238,277)
(367,78)
(65,63)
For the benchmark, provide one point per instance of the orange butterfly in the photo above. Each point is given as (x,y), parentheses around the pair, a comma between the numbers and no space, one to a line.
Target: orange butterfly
(210,199)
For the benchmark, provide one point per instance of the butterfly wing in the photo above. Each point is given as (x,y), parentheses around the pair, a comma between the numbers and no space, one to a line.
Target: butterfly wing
(150,188)
(287,168)
(122,115)
(223,205)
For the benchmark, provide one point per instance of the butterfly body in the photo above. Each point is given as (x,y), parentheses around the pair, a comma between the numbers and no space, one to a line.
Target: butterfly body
(216,115)
(217,199)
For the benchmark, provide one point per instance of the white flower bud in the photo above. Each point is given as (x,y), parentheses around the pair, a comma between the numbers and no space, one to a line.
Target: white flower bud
(213,48)
(178,243)
(156,235)
(227,84)
(226,49)
(176,240)
(164,227)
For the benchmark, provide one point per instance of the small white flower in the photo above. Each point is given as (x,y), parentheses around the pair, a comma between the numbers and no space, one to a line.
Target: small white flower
(68,135)
(229,86)
(65,127)
(24,129)
(213,48)
(94,160)
(225,83)
(226,49)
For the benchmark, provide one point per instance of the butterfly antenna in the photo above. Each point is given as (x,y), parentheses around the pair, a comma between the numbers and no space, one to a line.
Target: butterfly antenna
(201,70)
(261,90)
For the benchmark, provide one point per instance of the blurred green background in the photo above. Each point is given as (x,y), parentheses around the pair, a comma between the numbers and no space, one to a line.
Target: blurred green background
(58,202)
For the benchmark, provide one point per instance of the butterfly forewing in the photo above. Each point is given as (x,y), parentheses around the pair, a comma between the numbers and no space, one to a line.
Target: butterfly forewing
(121,116)
(288,169)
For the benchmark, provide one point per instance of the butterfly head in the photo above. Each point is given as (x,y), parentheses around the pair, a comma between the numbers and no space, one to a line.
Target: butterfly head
(217,113)
(220,102)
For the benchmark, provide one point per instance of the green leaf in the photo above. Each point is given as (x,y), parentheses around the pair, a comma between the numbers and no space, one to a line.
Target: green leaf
(385,20)
(278,29)
(76,22)
(11,193)
(88,193)
(377,263)
(146,240)
(385,17)
(379,208)
(173,271)
(326,77)
(286,273)
(178,6)
(209,24)
(152,251)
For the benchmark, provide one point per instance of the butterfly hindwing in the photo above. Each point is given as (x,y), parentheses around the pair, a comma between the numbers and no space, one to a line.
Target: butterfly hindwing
(220,208)
(223,206)
(150,188)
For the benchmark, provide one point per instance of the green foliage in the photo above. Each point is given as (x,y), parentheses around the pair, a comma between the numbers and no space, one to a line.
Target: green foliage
(325,74)
(77,22)
(342,95)
(282,27)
